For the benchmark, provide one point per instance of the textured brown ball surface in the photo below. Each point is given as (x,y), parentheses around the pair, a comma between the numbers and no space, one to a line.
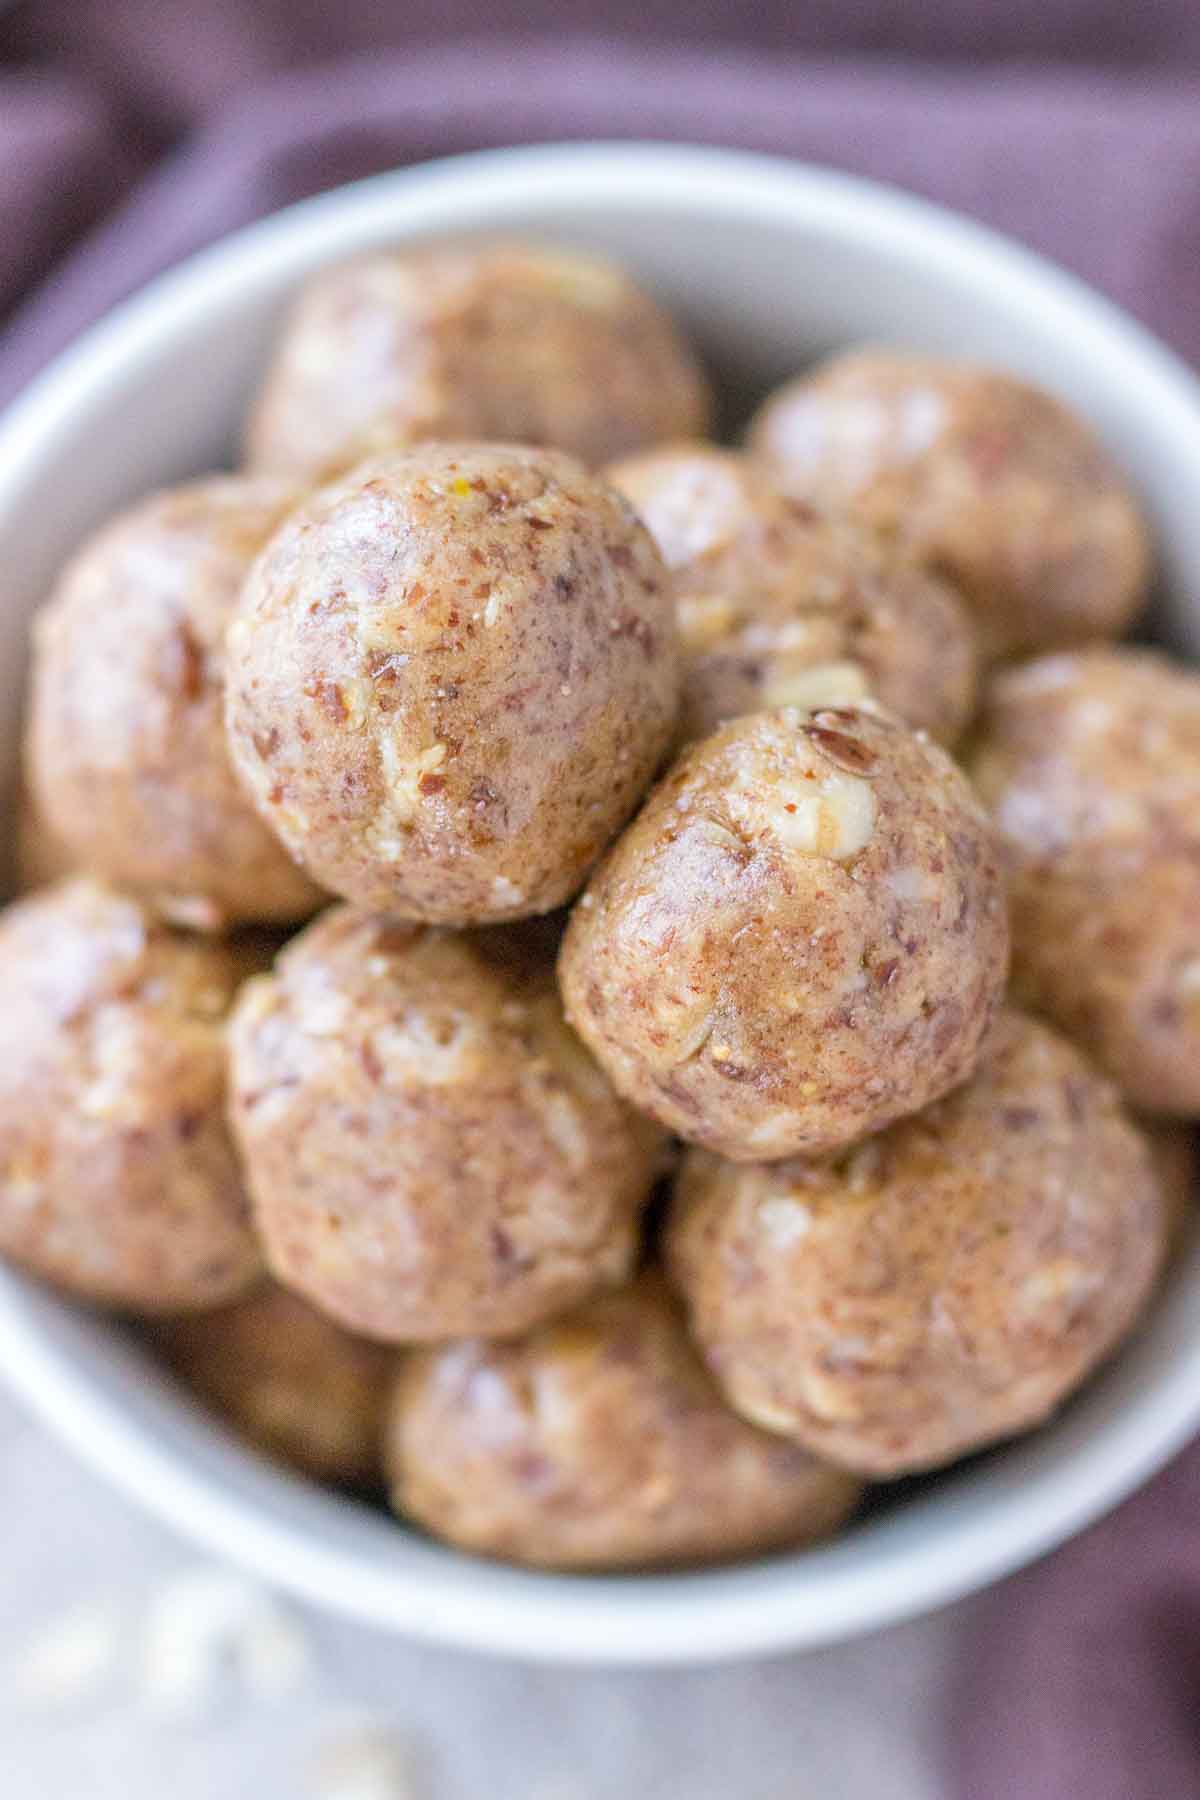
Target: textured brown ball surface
(1091,766)
(126,747)
(948,1283)
(981,477)
(779,606)
(431,1152)
(451,677)
(496,341)
(801,937)
(117,1176)
(40,854)
(289,1380)
(598,1442)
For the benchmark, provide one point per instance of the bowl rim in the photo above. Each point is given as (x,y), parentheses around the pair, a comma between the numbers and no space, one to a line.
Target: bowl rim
(676,1619)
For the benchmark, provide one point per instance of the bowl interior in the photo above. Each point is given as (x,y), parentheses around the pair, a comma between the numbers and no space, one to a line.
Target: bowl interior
(769,265)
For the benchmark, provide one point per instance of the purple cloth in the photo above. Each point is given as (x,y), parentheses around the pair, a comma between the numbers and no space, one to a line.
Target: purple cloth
(1083,1678)
(1099,169)
(60,161)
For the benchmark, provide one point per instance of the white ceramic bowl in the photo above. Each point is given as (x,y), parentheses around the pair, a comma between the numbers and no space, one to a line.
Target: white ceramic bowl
(768,263)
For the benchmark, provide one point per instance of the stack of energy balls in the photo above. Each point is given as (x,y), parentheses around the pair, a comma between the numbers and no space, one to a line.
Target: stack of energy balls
(483,631)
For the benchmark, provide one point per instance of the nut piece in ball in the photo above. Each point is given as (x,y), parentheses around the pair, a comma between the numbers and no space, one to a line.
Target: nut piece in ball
(117,1177)
(430,1151)
(944,1285)
(497,341)
(1091,765)
(800,938)
(598,1442)
(779,606)
(126,744)
(289,1380)
(978,475)
(451,678)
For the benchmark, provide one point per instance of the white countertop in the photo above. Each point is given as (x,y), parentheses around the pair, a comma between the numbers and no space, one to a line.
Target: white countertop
(862,1721)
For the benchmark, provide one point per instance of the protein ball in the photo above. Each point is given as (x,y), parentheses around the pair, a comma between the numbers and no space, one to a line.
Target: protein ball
(451,678)
(126,743)
(800,938)
(496,341)
(117,1176)
(430,1151)
(778,606)
(946,1284)
(289,1380)
(1091,765)
(598,1442)
(985,479)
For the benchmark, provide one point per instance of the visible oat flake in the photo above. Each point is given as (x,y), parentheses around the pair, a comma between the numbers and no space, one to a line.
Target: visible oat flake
(70,1660)
(207,1626)
(366,1764)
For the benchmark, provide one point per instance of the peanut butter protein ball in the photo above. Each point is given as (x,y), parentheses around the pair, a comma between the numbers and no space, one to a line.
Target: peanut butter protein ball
(598,1442)
(126,747)
(779,606)
(947,1283)
(117,1177)
(289,1380)
(499,341)
(801,938)
(451,677)
(983,478)
(431,1152)
(1091,766)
